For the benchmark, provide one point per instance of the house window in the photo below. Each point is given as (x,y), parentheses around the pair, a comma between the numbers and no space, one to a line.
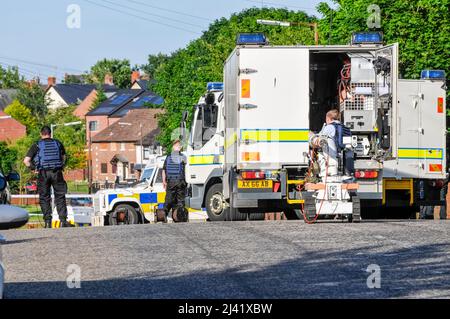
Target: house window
(104,168)
(93,126)
(146,153)
(132,168)
(122,146)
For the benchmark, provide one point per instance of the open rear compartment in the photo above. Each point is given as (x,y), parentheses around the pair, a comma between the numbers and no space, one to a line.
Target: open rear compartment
(326,73)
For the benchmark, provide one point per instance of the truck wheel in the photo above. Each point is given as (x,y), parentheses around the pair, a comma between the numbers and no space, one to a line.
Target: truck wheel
(310,206)
(215,204)
(293,214)
(123,214)
(356,218)
(239,214)
(257,216)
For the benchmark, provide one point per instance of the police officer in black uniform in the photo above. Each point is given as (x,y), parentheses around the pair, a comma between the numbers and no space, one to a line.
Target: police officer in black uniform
(174,182)
(47,157)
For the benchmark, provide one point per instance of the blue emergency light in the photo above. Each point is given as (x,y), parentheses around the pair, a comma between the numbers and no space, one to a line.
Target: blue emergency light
(215,86)
(251,39)
(433,75)
(367,38)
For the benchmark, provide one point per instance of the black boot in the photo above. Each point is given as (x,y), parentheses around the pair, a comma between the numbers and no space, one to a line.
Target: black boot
(66,224)
(48,224)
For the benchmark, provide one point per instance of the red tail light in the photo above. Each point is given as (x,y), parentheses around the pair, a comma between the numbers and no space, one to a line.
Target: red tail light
(366,174)
(253,175)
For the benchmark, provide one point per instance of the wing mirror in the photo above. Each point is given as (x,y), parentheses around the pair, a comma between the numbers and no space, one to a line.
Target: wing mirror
(3,183)
(13,177)
(12,217)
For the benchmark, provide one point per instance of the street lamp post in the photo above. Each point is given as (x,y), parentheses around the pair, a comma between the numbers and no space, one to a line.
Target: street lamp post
(289,24)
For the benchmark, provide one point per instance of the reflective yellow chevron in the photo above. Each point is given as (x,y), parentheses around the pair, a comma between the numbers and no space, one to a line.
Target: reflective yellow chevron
(416,153)
(280,136)
(206,160)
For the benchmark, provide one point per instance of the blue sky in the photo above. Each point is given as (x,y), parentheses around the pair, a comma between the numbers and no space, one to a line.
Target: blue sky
(34,34)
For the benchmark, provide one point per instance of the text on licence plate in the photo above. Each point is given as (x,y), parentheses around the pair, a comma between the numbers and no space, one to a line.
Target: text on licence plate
(255,184)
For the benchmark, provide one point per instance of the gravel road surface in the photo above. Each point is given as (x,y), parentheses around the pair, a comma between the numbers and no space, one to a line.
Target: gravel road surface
(279,259)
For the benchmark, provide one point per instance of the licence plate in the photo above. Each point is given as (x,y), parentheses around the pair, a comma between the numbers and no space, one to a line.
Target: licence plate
(255,184)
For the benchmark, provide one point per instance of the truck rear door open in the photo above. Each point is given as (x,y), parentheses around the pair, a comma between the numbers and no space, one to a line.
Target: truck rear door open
(273,110)
(421,131)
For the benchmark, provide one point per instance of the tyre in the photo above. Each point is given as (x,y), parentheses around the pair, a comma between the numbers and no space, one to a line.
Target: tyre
(124,214)
(293,214)
(215,204)
(239,214)
(356,217)
(257,216)
(310,206)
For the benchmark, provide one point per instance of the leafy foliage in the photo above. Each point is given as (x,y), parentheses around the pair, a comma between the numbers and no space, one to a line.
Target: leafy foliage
(7,158)
(22,114)
(74,79)
(421,27)
(154,62)
(20,148)
(33,97)
(119,69)
(10,78)
(100,98)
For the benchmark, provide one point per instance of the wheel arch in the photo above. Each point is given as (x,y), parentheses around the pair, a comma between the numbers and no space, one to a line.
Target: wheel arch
(216,177)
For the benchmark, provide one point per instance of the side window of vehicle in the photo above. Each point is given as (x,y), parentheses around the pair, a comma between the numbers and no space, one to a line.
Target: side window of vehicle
(197,132)
(159,178)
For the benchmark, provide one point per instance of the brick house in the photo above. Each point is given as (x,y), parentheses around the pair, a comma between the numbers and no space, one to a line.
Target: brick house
(114,150)
(10,129)
(63,95)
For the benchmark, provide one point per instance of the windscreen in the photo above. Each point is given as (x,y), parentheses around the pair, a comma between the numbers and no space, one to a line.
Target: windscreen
(147,174)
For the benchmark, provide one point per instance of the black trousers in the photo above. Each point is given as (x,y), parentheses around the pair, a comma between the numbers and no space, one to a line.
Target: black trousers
(46,180)
(175,195)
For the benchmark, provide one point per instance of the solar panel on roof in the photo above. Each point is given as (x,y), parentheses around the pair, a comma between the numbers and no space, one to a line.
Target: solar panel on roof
(158,100)
(143,100)
(120,99)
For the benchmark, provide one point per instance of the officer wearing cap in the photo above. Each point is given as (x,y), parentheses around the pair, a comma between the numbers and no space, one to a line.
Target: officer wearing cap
(174,180)
(47,157)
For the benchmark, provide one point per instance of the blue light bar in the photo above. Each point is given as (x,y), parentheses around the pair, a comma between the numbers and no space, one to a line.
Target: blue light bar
(251,38)
(214,86)
(367,38)
(433,75)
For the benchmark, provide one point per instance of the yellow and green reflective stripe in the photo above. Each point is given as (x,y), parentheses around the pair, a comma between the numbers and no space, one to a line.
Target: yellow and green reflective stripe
(231,140)
(211,159)
(275,135)
(421,153)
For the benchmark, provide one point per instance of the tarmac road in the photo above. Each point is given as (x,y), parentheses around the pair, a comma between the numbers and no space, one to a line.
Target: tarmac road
(278,259)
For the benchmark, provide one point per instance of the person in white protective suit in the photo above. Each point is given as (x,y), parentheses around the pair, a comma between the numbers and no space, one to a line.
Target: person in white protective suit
(326,141)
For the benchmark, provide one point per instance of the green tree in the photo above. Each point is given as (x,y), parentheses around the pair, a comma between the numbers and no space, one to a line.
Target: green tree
(182,78)
(100,98)
(119,69)
(421,27)
(74,79)
(22,114)
(10,78)
(33,97)
(8,157)
(154,62)
(21,148)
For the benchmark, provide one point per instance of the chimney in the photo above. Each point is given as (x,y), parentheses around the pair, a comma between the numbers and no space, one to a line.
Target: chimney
(109,80)
(136,75)
(51,81)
